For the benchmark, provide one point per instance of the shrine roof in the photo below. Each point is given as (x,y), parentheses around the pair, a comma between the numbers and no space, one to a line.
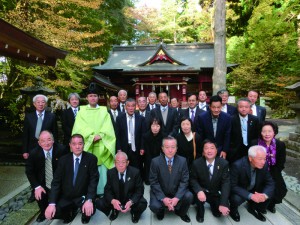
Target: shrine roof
(162,57)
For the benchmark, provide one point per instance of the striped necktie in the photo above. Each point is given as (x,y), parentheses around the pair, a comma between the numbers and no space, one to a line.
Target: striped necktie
(48,170)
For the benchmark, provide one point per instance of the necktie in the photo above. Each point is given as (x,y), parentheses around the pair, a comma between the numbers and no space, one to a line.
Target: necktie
(122,177)
(152,106)
(39,125)
(75,170)
(169,165)
(142,114)
(48,170)
(244,131)
(123,107)
(131,132)
(209,171)
(115,116)
(163,108)
(214,123)
(192,116)
(75,112)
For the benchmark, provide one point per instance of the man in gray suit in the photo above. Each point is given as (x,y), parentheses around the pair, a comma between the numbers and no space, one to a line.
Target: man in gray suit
(169,178)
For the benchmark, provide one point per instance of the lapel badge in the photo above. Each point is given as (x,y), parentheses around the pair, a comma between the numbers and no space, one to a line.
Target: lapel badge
(128,179)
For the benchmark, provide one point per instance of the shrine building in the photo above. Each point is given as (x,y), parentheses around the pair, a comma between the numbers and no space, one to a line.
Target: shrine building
(174,68)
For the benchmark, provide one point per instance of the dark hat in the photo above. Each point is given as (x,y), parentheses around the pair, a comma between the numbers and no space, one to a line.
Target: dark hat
(93,88)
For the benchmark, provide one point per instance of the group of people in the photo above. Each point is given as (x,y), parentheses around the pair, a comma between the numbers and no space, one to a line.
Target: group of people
(213,153)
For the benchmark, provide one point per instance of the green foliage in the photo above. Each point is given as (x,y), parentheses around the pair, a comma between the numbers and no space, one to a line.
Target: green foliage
(268,55)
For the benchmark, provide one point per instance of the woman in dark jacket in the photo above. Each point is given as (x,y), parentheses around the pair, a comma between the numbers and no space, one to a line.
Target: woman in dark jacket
(152,144)
(276,155)
(188,143)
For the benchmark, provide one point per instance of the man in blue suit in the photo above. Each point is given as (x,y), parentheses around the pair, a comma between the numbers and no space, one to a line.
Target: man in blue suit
(215,125)
(231,110)
(251,181)
(257,110)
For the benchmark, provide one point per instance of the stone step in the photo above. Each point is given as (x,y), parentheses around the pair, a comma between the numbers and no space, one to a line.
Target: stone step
(293,145)
(294,137)
(293,153)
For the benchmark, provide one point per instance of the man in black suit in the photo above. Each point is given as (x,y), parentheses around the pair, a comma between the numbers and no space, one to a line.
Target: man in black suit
(40,167)
(69,115)
(122,97)
(123,191)
(215,125)
(166,114)
(251,181)
(113,110)
(152,101)
(74,184)
(130,128)
(35,122)
(142,105)
(193,111)
(244,129)
(257,110)
(169,179)
(202,97)
(231,110)
(210,182)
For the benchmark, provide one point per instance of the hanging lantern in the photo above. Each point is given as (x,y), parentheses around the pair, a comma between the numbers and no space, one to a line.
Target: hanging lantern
(142,87)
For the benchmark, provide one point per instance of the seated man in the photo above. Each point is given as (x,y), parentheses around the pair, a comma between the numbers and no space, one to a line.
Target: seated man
(123,191)
(251,181)
(74,184)
(210,182)
(40,167)
(169,178)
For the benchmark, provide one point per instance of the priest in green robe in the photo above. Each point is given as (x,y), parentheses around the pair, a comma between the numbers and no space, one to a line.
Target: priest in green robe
(94,123)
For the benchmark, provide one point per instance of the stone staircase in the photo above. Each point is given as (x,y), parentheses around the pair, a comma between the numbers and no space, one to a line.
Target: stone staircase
(293,143)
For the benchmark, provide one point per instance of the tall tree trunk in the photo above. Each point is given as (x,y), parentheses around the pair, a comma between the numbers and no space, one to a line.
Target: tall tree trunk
(220,68)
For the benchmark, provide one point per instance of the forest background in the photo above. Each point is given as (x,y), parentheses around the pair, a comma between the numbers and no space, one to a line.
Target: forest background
(262,36)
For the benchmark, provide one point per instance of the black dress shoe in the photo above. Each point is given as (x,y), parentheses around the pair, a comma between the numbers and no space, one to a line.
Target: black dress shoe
(235,216)
(135,218)
(185,218)
(256,214)
(263,211)
(272,209)
(160,216)
(85,219)
(199,218)
(114,215)
(31,198)
(40,218)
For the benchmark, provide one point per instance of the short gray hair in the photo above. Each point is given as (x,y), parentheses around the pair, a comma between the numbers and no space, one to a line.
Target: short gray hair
(121,154)
(152,93)
(244,100)
(39,96)
(73,94)
(47,131)
(130,100)
(168,138)
(122,90)
(252,152)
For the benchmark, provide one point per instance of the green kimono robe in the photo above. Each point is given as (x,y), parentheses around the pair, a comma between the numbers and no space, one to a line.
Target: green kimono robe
(96,121)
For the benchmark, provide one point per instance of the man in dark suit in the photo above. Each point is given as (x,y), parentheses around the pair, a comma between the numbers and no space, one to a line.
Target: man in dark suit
(210,182)
(122,97)
(130,127)
(35,122)
(40,167)
(257,110)
(152,101)
(169,178)
(113,110)
(193,111)
(231,110)
(123,191)
(244,129)
(142,105)
(215,125)
(202,97)
(74,184)
(251,181)
(166,114)
(68,117)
